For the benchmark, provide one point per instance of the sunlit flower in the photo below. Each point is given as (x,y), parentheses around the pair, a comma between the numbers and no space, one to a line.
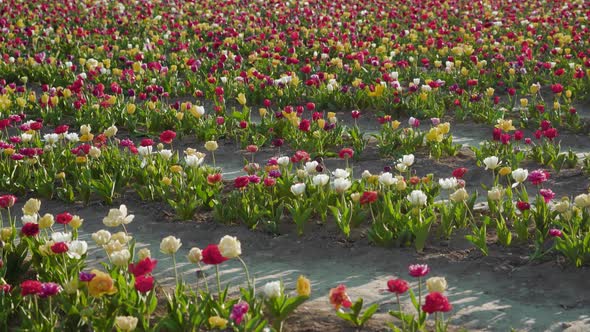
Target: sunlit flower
(117,217)
(341,184)
(436,284)
(582,201)
(505,125)
(120,258)
(101,284)
(230,247)
(418,270)
(303,286)
(320,180)
(126,323)
(170,245)
(339,298)
(272,289)
(520,175)
(387,179)
(496,193)
(491,162)
(211,145)
(217,322)
(298,189)
(407,160)
(77,249)
(195,255)
(417,198)
(101,237)
(340,173)
(460,195)
(193,160)
(31,207)
(448,183)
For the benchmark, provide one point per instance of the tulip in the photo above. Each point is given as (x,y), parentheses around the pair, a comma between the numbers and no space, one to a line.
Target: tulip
(298,189)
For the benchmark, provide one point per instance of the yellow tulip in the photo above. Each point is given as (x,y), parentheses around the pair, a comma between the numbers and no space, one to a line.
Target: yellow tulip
(241,99)
(101,284)
(303,286)
(505,125)
(131,109)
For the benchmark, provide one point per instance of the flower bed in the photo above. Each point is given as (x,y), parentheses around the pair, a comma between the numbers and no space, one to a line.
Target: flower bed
(107,101)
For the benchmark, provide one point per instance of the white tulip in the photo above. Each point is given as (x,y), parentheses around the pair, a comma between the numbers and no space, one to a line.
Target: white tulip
(460,195)
(448,183)
(310,166)
(29,218)
(143,253)
(27,137)
(111,131)
(283,161)
(272,289)
(387,179)
(298,189)
(122,237)
(170,245)
(120,258)
(76,249)
(230,247)
(408,160)
(94,152)
(417,198)
(195,255)
(101,237)
(118,217)
(165,154)
(320,180)
(144,150)
(193,160)
(61,237)
(126,323)
(200,110)
(582,201)
(51,139)
(496,193)
(340,173)
(436,284)
(520,175)
(341,185)
(491,162)
(401,167)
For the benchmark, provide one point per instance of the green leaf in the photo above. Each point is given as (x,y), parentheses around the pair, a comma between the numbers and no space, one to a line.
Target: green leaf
(369,313)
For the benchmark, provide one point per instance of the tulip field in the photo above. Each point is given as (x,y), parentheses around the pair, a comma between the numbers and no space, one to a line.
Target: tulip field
(295,165)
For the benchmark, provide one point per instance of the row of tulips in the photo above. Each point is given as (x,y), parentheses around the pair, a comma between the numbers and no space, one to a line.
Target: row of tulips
(48,284)
(402,209)
(123,294)
(401,205)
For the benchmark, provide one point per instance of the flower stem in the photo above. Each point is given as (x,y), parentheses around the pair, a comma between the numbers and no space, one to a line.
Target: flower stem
(218,281)
(372,215)
(51,312)
(436,322)
(175,269)
(247,273)
(9,218)
(399,305)
(419,294)
(204,278)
